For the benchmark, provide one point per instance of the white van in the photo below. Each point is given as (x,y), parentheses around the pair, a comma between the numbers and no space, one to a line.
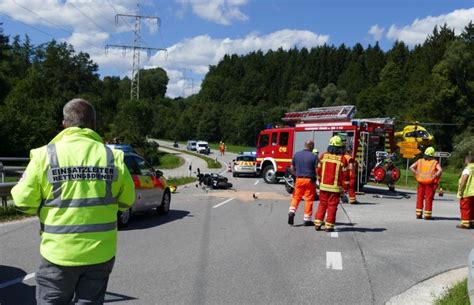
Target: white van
(191,145)
(202,147)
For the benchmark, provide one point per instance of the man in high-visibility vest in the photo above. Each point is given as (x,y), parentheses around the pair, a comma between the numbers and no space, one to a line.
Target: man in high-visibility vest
(304,165)
(352,170)
(426,170)
(466,194)
(75,185)
(333,177)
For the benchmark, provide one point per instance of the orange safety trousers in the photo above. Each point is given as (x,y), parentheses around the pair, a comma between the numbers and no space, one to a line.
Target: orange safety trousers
(425,194)
(328,202)
(304,187)
(351,188)
(467,211)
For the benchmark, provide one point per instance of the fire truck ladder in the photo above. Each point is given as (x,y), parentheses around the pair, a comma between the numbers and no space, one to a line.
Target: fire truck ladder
(334,113)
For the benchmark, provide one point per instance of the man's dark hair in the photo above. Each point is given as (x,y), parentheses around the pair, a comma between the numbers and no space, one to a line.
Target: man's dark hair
(79,113)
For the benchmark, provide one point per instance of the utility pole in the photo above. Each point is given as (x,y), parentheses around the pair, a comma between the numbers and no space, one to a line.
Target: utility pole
(136,48)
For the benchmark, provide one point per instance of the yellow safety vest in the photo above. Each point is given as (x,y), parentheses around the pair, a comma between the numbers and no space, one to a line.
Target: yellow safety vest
(76,185)
(469,188)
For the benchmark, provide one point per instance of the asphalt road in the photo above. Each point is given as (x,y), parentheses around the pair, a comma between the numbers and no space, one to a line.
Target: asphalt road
(229,248)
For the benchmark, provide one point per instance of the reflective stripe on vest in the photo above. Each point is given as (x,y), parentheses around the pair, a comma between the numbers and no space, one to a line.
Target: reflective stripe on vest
(100,227)
(334,187)
(58,202)
(425,170)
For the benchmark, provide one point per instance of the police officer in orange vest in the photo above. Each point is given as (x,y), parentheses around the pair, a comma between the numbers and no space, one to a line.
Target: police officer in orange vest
(426,171)
(352,170)
(333,177)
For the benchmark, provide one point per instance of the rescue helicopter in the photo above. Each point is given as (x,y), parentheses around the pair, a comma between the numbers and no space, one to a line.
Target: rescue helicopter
(414,132)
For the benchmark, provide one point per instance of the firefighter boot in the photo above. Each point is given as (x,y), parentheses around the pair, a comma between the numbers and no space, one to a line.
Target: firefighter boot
(317,224)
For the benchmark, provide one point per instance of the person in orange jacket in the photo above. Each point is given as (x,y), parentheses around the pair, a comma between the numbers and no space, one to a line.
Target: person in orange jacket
(304,168)
(426,171)
(333,177)
(352,170)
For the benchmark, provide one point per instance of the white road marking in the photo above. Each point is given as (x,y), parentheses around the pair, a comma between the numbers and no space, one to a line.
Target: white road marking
(18,280)
(224,202)
(334,234)
(334,260)
(256,182)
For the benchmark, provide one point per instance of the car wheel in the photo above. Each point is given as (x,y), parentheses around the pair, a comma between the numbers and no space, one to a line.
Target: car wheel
(269,175)
(123,218)
(164,208)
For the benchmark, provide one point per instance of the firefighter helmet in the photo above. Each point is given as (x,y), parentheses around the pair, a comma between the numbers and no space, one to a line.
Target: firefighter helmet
(430,151)
(315,151)
(335,141)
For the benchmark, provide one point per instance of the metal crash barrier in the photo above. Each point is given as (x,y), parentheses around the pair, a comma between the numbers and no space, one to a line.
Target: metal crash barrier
(5,187)
(470,277)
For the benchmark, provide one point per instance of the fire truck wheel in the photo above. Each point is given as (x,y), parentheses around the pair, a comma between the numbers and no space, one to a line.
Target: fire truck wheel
(269,175)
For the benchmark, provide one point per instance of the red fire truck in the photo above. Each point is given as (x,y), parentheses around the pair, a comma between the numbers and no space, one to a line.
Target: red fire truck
(276,146)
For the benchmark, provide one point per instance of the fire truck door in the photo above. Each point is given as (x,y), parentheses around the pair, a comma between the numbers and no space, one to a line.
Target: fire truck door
(362,157)
(284,152)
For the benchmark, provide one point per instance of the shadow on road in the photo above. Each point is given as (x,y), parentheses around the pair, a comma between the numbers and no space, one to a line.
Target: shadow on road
(16,293)
(373,190)
(150,219)
(361,230)
(446,218)
(111,297)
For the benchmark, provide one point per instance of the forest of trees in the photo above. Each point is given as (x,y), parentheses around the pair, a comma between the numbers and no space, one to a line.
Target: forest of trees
(431,82)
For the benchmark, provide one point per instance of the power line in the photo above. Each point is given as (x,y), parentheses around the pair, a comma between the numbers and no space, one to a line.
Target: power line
(85,15)
(30,26)
(50,22)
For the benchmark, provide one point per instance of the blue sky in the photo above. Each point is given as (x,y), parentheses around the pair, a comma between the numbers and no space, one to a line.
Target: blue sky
(197,33)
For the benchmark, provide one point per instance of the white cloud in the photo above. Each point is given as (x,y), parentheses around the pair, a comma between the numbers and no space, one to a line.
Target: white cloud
(197,53)
(218,11)
(420,28)
(376,32)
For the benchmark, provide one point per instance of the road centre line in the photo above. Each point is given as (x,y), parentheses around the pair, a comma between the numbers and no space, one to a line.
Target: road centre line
(334,260)
(256,182)
(223,202)
(334,234)
(17,280)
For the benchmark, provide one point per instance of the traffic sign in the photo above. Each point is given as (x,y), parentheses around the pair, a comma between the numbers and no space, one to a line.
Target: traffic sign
(409,153)
(407,144)
(442,154)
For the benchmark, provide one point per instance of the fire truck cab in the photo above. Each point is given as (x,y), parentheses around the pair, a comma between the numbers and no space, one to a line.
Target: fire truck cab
(276,146)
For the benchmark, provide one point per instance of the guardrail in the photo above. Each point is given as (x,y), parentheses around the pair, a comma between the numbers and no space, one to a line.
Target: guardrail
(5,187)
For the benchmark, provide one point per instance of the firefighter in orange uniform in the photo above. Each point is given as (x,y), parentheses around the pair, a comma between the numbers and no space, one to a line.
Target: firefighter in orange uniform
(352,170)
(426,171)
(333,178)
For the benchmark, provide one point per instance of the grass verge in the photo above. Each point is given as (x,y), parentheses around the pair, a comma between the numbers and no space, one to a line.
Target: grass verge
(455,295)
(211,163)
(449,180)
(169,161)
(181,180)
(232,148)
